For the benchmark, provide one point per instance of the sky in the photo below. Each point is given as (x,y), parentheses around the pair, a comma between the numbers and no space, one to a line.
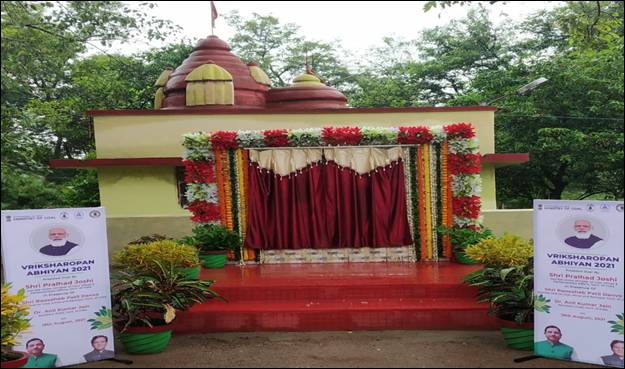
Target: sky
(358,25)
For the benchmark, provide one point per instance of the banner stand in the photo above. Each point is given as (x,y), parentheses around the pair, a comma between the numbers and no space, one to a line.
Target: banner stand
(59,257)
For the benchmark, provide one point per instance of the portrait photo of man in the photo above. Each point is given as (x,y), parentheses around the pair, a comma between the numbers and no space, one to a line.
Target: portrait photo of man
(59,244)
(583,237)
(616,359)
(36,358)
(99,349)
(552,347)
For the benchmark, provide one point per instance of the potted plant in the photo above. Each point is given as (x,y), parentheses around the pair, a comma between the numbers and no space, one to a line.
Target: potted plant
(213,242)
(145,303)
(507,283)
(461,238)
(14,321)
(184,258)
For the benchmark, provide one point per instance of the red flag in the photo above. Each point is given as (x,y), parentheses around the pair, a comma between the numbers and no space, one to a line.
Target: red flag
(214,14)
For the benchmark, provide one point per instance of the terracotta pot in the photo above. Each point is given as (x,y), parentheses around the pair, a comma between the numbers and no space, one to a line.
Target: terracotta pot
(17,363)
(517,336)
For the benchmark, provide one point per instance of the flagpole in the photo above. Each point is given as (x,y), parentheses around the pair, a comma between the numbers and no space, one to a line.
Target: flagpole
(214,16)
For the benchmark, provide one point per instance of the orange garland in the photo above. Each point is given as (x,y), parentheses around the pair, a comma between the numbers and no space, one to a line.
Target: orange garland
(250,254)
(450,211)
(227,189)
(445,197)
(220,186)
(422,230)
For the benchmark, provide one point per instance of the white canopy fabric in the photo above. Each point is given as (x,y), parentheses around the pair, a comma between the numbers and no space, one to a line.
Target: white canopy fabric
(362,160)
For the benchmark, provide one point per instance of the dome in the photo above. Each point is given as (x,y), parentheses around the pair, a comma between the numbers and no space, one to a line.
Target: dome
(306,92)
(247,92)
(258,74)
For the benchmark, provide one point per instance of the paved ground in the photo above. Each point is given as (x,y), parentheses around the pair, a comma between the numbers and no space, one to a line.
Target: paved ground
(338,349)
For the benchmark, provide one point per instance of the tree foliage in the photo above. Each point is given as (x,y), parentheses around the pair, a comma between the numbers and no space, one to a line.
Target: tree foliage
(49,83)
(280,50)
(54,70)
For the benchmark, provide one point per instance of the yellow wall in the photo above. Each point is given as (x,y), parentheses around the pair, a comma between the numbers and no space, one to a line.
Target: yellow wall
(151,191)
(139,191)
(515,221)
(149,136)
(489,195)
(122,230)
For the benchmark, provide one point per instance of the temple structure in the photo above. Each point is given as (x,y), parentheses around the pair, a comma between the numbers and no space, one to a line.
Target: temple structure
(139,152)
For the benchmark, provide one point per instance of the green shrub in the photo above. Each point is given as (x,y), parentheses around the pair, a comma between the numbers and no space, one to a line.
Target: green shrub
(507,280)
(14,320)
(509,291)
(147,298)
(144,256)
(461,238)
(506,251)
(213,237)
(151,238)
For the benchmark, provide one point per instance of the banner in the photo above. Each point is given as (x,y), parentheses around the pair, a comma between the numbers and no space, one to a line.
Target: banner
(578,266)
(60,257)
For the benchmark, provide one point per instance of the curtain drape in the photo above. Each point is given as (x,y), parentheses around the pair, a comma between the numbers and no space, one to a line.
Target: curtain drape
(327,206)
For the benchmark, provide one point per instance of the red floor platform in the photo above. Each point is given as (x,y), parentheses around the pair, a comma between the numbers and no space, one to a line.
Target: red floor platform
(347,296)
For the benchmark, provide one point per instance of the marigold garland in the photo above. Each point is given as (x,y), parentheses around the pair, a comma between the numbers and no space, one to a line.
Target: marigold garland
(434,200)
(428,199)
(445,190)
(408,186)
(415,201)
(421,192)
(220,186)
(225,174)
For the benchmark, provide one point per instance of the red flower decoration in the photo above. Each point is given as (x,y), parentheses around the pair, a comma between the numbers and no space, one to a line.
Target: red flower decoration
(341,136)
(467,207)
(459,130)
(204,212)
(199,171)
(276,137)
(224,140)
(414,135)
(464,163)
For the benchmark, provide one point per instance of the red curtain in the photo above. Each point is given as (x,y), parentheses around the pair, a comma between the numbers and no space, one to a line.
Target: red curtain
(327,207)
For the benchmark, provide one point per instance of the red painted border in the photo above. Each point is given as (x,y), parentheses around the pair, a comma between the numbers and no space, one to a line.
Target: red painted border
(506,158)
(93,163)
(234,110)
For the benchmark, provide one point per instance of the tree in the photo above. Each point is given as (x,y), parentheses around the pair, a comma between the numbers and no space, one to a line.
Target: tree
(280,51)
(44,88)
